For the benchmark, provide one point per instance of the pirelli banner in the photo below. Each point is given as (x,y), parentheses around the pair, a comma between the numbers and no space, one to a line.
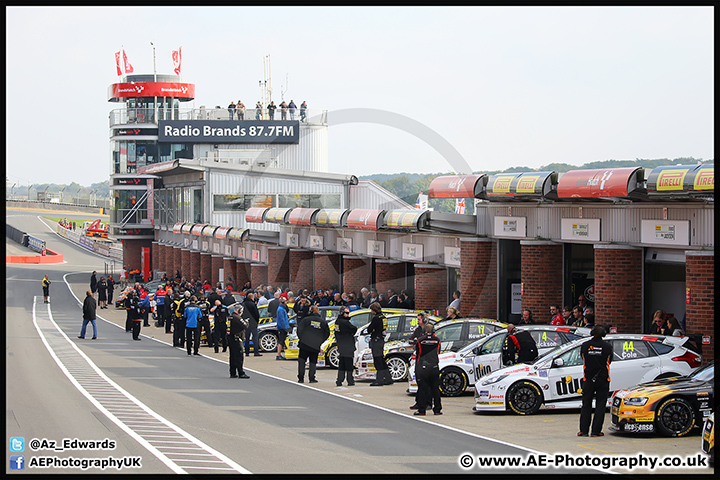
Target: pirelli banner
(229,131)
(405,219)
(523,185)
(277,215)
(332,217)
(682,180)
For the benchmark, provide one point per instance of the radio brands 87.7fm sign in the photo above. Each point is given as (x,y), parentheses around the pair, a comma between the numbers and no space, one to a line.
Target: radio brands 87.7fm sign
(229,131)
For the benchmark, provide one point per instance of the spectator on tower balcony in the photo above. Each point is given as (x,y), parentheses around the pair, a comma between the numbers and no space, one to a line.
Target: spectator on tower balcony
(283,110)
(271,110)
(240,109)
(292,107)
(258,110)
(303,111)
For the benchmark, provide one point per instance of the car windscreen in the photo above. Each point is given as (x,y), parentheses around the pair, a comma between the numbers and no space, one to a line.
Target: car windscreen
(704,374)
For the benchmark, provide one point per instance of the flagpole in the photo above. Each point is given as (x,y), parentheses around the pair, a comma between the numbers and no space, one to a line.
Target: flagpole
(155,105)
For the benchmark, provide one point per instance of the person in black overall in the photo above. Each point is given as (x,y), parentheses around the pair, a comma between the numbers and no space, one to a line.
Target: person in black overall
(427,371)
(597,355)
(376,330)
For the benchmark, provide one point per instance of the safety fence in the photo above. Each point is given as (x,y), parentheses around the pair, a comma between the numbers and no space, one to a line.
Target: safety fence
(100,247)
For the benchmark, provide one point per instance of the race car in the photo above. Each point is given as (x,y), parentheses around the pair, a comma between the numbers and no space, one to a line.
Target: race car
(670,407)
(460,371)
(553,380)
(454,334)
(267,331)
(329,354)
(708,438)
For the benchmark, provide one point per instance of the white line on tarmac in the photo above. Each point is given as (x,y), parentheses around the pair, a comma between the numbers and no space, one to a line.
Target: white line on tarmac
(453,429)
(131,432)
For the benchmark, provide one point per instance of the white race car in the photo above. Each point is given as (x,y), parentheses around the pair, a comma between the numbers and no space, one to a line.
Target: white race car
(453,334)
(554,379)
(459,371)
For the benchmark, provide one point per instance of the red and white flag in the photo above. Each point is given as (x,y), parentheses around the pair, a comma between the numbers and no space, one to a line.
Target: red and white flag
(117,63)
(177,60)
(128,67)
(460,205)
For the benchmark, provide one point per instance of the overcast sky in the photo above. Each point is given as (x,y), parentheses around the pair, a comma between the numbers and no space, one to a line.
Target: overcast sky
(505,87)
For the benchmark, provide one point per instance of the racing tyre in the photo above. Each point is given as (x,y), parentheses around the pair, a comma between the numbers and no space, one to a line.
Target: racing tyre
(332,357)
(675,417)
(453,382)
(268,342)
(398,368)
(524,398)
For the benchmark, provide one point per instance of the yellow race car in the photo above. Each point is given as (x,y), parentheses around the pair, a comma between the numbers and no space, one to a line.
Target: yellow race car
(670,407)
(329,355)
(708,438)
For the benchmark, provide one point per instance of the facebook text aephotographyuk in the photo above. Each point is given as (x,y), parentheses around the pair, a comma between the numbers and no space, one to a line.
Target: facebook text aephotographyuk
(566,460)
(85,463)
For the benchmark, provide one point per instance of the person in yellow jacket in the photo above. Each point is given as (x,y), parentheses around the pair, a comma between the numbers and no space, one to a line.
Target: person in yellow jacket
(46,288)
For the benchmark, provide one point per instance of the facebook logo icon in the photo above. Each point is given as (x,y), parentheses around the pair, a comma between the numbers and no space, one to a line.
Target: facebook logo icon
(17,462)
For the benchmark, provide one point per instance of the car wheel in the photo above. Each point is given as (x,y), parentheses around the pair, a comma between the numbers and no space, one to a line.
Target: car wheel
(453,382)
(524,398)
(268,342)
(332,357)
(675,417)
(398,368)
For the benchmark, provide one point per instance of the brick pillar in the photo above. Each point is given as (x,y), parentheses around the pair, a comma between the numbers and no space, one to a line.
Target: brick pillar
(327,270)
(206,267)
(242,270)
(132,252)
(618,287)
(195,265)
(541,277)
(185,265)
(258,274)
(177,261)
(357,273)
(478,278)
(278,266)
(301,269)
(216,262)
(431,284)
(155,256)
(389,274)
(169,261)
(159,259)
(229,264)
(700,312)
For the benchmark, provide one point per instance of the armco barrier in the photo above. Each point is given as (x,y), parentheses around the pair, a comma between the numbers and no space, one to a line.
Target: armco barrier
(101,248)
(36,244)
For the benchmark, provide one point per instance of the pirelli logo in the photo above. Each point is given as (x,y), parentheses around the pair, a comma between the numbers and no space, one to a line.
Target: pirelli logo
(502,184)
(527,184)
(671,180)
(705,179)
